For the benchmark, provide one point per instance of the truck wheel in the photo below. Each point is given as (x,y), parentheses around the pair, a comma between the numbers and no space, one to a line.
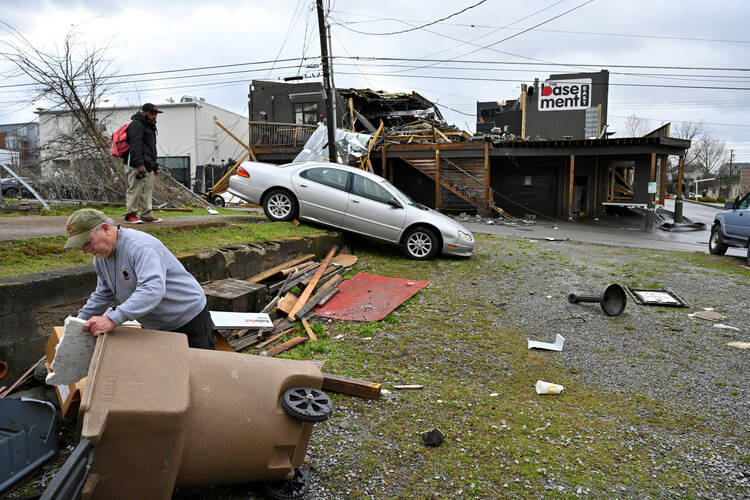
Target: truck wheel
(287,489)
(217,200)
(715,246)
(307,404)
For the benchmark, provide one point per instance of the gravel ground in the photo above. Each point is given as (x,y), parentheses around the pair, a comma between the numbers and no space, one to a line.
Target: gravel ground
(655,360)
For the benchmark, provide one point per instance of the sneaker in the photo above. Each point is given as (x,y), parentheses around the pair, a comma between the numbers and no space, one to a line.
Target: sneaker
(132,218)
(150,219)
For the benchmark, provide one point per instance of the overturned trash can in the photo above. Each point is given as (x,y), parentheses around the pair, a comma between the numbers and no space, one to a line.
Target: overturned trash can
(160,415)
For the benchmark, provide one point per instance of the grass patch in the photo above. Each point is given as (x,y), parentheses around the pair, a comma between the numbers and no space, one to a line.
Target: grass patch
(116,211)
(33,255)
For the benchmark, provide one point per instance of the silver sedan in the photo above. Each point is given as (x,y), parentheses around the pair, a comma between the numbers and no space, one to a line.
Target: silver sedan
(353,200)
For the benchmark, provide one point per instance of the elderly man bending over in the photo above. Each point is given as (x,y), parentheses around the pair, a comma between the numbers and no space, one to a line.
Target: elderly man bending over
(138,278)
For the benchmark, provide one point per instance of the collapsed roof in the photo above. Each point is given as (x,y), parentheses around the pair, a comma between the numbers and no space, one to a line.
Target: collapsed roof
(393,108)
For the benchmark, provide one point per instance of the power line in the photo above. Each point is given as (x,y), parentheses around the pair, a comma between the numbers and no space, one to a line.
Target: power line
(418,27)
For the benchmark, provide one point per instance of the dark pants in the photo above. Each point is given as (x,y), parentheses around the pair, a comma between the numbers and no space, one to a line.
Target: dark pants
(199,331)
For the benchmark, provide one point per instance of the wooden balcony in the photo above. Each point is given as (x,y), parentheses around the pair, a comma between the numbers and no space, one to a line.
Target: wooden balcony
(270,134)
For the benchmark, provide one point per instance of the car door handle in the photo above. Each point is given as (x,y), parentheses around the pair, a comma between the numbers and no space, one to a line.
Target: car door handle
(303,185)
(355,201)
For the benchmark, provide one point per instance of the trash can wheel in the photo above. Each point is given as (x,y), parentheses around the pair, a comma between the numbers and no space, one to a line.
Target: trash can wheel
(287,489)
(307,404)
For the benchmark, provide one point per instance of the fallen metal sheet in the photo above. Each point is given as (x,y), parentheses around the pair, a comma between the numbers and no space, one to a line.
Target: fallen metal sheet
(550,346)
(659,297)
(224,320)
(27,437)
(678,226)
(369,297)
(72,354)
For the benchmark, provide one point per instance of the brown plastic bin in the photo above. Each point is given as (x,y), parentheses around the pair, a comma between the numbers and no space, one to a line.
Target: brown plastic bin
(162,415)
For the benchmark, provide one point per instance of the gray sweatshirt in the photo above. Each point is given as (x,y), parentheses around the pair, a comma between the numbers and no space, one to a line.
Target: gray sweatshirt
(146,282)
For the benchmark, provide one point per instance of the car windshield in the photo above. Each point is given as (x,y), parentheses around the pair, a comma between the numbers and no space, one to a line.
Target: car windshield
(397,192)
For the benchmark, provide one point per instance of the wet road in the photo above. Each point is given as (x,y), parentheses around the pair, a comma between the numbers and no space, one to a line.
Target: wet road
(625,231)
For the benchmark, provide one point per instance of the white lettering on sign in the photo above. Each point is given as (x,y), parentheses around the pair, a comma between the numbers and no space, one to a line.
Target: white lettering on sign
(565,95)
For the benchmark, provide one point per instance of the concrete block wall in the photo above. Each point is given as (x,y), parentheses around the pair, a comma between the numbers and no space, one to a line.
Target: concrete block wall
(24,298)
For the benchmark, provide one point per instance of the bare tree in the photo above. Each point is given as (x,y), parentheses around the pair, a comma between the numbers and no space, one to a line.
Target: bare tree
(690,131)
(636,126)
(710,154)
(74,80)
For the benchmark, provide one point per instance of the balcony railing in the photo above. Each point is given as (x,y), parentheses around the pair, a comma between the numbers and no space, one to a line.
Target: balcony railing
(264,134)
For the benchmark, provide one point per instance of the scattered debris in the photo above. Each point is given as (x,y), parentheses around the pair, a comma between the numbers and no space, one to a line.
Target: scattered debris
(709,315)
(224,320)
(433,437)
(556,346)
(278,349)
(739,345)
(28,437)
(28,375)
(543,387)
(613,300)
(726,327)
(408,387)
(658,297)
(72,354)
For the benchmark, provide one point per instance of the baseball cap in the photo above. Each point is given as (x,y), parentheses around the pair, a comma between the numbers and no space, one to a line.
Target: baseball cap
(150,108)
(80,224)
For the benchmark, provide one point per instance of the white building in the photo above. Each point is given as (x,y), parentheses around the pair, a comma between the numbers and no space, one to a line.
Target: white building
(187,135)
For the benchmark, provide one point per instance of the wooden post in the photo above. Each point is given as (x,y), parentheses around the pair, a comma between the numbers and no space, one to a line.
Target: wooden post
(383,161)
(679,177)
(351,111)
(570,186)
(596,181)
(486,175)
(390,171)
(250,134)
(437,178)
(663,179)
(652,196)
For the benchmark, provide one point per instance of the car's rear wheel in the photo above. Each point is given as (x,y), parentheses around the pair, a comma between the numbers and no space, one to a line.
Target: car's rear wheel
(280,205)
(11,193)
(217,200)
(420,243)
(715,246)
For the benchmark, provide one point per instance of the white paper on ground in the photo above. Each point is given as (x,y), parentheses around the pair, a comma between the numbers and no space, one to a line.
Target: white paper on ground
(556,346)
(543,387)
(726,327)
(72,354)
(228,320)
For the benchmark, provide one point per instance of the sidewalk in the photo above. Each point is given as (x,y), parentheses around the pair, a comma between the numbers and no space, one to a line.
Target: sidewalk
(30,226)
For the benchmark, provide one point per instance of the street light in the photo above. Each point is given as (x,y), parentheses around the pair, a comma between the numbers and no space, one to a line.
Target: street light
(702,180)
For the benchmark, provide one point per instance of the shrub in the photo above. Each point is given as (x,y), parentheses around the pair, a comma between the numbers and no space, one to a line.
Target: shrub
(721,199)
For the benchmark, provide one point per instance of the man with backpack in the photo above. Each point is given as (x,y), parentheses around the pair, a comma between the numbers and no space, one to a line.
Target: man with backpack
(141,159)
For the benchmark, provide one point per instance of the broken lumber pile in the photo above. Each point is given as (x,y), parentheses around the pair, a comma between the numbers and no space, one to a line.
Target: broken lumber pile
(287,293)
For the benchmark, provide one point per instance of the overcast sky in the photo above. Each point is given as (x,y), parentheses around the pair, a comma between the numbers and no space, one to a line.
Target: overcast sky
(178,35)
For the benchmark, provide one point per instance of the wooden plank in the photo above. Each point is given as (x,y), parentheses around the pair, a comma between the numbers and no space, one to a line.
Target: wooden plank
(23,378)
(271,339)
(329,296)
(270,306)
(310,286)
(293,280)
(437,179)
(309,331)
(296,222)
(246,341)
(442,136)
(652,196)
(285,346)
(570,186)
(351,112)
(296,269)
(270,272)
(319,296)
(351,386)
(286,304)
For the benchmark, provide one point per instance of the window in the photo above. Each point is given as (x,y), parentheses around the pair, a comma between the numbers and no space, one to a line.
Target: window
(366,188)
(306,113)
(178,167)
(327,176)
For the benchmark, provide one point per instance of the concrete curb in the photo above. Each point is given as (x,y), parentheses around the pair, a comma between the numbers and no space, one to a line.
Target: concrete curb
(24,298)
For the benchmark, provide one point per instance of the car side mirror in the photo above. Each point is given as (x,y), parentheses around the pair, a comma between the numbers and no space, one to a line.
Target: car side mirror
(729,205)
(394,203)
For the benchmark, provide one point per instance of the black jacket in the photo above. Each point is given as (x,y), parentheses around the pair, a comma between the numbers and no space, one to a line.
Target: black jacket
(142,141)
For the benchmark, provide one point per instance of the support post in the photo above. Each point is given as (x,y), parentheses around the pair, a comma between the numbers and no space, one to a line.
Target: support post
(663,179)
(596,182)
(437,178)
(680,169)
(523,111)
(570,187)
(486,175)
(383,161)
(652,196)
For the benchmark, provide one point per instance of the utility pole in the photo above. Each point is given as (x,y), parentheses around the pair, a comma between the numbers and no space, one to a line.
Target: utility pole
(731,158)
(327,83)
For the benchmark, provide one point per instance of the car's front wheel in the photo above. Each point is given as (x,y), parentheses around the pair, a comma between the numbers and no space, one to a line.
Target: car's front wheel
(420,243)
(715,245)
(280,205)
(11,193)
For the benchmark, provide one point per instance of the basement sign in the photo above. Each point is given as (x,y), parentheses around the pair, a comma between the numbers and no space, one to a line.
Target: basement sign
(565,95)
